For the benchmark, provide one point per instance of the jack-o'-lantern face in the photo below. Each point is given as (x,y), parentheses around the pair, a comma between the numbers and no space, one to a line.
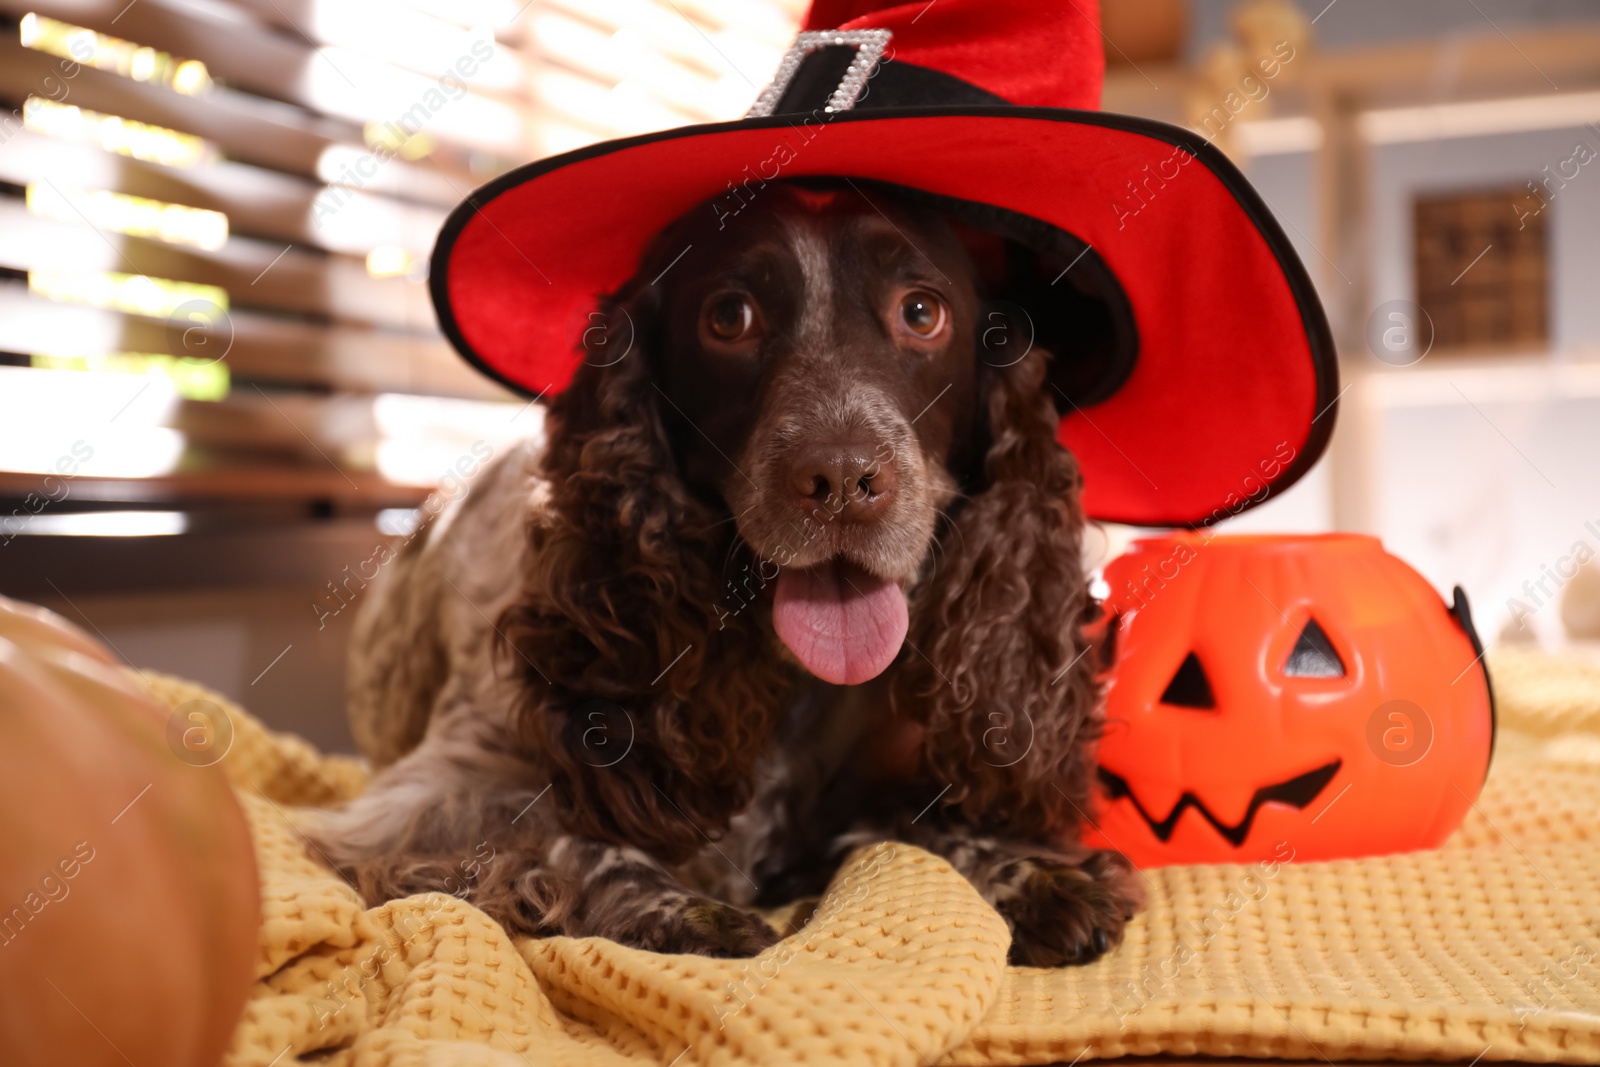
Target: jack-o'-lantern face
(1309,690)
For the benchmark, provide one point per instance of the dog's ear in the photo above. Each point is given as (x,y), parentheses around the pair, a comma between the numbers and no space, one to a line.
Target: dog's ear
(1007,700)
(638,689)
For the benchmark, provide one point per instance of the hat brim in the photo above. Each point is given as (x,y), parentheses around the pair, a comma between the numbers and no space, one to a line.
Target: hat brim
(1233,393)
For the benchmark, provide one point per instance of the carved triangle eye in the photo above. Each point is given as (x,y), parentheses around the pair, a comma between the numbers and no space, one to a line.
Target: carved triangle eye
(1190,688)
(1313,655)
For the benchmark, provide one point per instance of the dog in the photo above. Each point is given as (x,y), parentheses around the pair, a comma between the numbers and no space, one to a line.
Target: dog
(797,569)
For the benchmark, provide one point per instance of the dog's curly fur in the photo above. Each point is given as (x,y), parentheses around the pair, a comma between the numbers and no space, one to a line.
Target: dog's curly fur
(565,629)
(623,575)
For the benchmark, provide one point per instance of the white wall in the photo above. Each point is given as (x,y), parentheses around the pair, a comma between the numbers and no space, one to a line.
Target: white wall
(1484,472)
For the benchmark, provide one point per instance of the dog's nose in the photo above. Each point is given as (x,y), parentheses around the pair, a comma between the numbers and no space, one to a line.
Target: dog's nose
(825,475)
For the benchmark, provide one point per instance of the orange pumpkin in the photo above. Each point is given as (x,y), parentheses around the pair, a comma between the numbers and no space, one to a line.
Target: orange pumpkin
(129,902)
(1309,692)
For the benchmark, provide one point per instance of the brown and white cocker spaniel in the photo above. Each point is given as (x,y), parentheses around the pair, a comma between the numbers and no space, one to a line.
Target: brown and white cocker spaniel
(797,568)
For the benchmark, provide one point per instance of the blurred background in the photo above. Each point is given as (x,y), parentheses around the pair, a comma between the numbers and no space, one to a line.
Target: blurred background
(222,388)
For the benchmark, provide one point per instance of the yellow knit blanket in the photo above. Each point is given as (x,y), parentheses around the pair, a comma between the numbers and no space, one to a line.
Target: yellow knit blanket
(1489,947)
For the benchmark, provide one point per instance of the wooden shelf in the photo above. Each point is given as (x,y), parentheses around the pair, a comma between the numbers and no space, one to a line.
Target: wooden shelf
(219,553)
(284,483)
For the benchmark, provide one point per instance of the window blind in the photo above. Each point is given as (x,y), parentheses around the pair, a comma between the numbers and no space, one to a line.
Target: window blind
(215,217)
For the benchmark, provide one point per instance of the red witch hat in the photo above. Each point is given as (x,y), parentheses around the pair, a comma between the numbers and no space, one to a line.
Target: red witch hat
(1207,380)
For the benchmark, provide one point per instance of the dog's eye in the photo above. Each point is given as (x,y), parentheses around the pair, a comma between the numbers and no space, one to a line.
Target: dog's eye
(922,313)
(729,317)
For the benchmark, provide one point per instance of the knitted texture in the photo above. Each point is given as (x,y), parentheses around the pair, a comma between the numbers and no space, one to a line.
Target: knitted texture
(1545,694)
(1489,947)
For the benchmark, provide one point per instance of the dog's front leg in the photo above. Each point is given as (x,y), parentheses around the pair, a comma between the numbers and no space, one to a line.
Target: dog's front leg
(1064,903)
(469,820)
(625,895)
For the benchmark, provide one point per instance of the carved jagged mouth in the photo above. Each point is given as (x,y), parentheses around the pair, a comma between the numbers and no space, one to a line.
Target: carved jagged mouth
(1297,792)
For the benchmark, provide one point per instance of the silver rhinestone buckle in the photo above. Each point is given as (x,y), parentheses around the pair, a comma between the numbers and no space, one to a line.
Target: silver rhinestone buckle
(870,46)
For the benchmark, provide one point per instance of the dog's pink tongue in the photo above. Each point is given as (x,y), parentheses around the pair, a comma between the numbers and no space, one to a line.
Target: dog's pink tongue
(841,622)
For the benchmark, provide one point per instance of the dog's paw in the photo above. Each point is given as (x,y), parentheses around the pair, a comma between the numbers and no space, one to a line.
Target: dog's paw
(1062,913)
(700,926)
(712,928)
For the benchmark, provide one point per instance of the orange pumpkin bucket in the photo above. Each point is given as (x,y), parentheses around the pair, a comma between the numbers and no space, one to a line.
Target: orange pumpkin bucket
(1271,696)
